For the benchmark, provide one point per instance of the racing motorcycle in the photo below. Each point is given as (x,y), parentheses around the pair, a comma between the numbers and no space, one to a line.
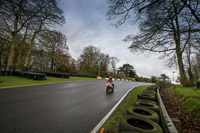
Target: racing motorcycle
(109,87)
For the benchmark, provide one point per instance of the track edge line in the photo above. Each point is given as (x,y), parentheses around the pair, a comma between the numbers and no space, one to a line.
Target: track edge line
(100,124)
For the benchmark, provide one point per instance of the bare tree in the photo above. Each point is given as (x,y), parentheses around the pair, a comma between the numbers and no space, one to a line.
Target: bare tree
(51,53)
(113,62)
(164,26)
(48,17)
(93,62)
(55,44)
(15,14)
(88,60)
(4,49)
(21,46)
(104,64)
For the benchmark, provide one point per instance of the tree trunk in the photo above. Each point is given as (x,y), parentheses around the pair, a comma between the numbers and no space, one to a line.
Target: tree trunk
(52,58)
(14,34)
(28,55)
(30,50)
(177,40)
(32,43)
(190,74)
(52,64)
(20,50)
(1,64)
(19,55)
(12,52)
(184,80)
(191,77)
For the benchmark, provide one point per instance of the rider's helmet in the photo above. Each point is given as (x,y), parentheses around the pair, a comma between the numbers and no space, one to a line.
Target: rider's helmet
(110,78)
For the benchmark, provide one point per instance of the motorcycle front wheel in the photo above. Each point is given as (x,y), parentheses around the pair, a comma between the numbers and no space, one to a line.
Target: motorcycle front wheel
(107,90)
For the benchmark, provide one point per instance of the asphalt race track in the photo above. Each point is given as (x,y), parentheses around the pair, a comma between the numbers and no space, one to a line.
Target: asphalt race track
(70,107)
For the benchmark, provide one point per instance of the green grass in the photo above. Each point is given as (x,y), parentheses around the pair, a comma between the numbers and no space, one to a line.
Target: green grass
(190,96)
(112,124)
(10,81)
(193,104)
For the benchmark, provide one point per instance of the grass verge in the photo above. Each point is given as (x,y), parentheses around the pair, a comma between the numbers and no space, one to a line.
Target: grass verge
(111,126)
(189,96)
(10,81)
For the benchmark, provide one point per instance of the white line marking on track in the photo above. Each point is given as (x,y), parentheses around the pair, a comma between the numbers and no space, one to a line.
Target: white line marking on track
(109,113)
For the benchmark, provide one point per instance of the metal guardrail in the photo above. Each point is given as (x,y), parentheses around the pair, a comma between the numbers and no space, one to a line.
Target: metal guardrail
(166,122)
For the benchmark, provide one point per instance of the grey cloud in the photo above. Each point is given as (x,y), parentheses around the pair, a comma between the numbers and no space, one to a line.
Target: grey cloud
(86,24)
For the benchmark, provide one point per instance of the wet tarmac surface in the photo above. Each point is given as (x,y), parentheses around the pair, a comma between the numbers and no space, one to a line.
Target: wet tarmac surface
(70,107)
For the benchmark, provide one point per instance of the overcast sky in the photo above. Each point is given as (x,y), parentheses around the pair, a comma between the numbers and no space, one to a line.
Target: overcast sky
(86,24)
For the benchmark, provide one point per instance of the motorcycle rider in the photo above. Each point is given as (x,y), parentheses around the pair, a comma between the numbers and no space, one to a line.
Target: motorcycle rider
(111,81)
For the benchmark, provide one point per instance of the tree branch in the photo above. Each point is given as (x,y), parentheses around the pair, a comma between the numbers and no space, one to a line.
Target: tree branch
(140,10)
(192,11)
